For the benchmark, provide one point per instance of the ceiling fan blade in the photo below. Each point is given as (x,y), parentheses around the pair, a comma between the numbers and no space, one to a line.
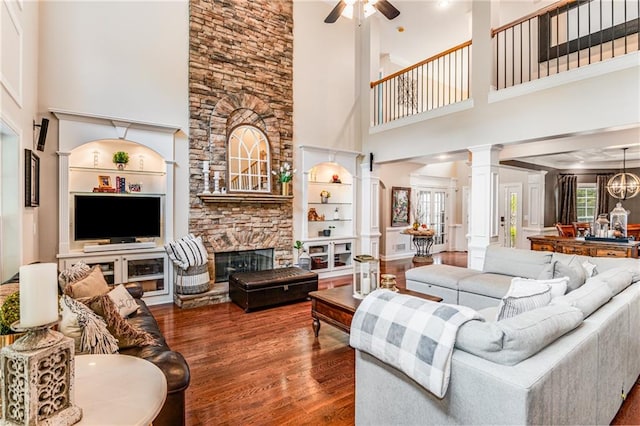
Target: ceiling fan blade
(386,8)
(335,13)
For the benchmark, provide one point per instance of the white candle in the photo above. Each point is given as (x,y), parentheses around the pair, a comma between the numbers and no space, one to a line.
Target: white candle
(216,175)
(205,166)
(366,285)
(38,294)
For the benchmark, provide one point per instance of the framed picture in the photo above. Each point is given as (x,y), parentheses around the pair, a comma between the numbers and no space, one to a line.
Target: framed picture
(400,205)
(31,179)
(104,181)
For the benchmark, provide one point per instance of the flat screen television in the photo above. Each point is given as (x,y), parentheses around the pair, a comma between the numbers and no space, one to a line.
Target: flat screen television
(117,218)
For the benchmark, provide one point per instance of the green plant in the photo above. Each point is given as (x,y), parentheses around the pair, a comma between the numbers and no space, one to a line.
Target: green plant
(9,312)
(285,173)
(325,194)
(298,246)
(120,157)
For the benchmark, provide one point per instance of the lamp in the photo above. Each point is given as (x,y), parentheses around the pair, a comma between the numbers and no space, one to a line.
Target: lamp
(624,185)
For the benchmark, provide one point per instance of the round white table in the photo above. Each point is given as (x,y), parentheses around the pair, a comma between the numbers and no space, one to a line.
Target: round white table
(118,390)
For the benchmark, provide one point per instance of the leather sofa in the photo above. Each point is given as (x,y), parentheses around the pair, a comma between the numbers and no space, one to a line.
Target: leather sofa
(172,364)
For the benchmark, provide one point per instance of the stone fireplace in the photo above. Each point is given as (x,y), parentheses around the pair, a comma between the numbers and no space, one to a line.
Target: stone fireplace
(242,261)
(238,77)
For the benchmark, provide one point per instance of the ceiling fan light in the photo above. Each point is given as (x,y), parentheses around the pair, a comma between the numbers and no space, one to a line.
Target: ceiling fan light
(348,11)
(369,10)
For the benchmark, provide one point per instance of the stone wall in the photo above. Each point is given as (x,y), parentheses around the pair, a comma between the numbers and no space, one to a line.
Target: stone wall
(240,71)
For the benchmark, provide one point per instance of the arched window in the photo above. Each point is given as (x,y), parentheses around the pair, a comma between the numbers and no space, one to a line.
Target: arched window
(249,160)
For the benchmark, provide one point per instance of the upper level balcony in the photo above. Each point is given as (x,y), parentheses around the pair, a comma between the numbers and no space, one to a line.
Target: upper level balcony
(557,39)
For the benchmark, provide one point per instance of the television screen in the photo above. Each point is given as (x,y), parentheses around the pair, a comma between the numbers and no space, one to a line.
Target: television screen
(119,218)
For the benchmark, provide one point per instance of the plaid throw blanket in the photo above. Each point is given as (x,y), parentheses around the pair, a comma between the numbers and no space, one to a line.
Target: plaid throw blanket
(413,335)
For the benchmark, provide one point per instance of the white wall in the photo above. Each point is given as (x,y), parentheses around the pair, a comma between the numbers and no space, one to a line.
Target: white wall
(118,59)
(18,105)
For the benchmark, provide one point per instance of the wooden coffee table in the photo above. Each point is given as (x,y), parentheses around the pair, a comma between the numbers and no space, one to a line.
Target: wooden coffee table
(337,305)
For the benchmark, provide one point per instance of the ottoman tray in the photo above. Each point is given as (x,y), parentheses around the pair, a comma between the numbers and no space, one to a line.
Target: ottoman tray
(251,290)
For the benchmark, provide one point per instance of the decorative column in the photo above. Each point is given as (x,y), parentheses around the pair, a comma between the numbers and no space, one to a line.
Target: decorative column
(484,220)
(369,212)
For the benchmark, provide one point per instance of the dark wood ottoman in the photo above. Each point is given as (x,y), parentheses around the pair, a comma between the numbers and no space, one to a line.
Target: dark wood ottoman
(251,290)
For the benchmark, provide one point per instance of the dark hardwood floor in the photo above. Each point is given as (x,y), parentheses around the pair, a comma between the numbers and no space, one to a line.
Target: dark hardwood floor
(266,367)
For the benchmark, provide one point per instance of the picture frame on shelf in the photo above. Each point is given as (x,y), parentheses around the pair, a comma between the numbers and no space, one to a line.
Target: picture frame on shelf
(400,206)
(104,181)
(31,179)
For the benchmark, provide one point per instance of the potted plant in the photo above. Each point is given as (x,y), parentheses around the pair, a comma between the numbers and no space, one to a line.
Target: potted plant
(324,196)
(9,313)
(304,260)
(284,176)
(121,158)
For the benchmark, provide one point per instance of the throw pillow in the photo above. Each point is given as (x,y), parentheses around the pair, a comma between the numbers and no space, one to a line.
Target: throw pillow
(87,329)
(187,251)
(547,271)
(75,273)
(522,297)
(574,271)
(117,325)
(123,301)
(558,285)
(92,285)
(589,269)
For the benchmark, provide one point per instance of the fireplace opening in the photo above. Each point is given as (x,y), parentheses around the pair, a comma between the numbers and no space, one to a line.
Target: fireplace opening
(242,261)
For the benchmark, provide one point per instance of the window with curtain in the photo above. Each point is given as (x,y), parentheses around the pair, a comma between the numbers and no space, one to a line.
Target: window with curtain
(586,202)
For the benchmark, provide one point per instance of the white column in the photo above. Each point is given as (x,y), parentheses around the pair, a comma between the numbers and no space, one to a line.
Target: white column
(369,212)
(64,228)
(484,219)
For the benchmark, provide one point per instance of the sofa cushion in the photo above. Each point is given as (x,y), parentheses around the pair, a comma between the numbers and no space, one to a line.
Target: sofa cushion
(440,275)
(523,295)
(573,271)
(93,284)
(88,330)
(515,262)
(558,285)
(604,264)
(486,284)
(515,339)
(588,298)
(124,302)
(617,279)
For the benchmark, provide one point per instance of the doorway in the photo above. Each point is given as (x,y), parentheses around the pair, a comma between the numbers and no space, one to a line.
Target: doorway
(510,210)
(431,209)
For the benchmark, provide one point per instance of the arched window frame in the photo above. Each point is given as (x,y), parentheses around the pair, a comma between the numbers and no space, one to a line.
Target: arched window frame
(248,160)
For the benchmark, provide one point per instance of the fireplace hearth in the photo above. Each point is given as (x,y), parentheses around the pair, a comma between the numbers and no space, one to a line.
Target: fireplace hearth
(242,261)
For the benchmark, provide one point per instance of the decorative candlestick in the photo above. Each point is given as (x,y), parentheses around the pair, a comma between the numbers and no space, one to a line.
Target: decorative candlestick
(216,182)
(205,171)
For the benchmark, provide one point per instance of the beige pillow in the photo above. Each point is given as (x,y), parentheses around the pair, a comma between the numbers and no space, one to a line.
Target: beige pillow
(92,285)
(121,298)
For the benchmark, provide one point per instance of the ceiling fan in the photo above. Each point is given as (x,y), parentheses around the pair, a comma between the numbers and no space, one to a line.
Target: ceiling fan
(382,6)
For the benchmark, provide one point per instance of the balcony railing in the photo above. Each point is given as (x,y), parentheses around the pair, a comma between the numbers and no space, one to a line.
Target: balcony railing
(564,36)
(441,80)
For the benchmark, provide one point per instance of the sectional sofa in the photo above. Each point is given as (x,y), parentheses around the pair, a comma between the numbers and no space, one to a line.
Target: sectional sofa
(569,362)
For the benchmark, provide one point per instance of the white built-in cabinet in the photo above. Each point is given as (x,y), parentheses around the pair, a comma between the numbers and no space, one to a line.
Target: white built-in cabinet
(329,226)
(86,147)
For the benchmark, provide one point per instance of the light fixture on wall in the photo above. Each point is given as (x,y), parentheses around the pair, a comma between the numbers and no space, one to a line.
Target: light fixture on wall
(364,8)
(624,185)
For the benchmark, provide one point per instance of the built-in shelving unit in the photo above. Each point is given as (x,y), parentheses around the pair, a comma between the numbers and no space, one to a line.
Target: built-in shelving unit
(329,225)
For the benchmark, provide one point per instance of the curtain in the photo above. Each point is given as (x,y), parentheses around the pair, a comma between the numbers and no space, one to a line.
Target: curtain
(568,185)
(602,195)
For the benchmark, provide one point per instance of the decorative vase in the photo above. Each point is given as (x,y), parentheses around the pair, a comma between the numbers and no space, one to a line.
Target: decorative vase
(286,188)
(324,200)
(121,166)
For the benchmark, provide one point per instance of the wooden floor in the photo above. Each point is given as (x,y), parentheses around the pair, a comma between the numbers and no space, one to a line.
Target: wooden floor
(266,367)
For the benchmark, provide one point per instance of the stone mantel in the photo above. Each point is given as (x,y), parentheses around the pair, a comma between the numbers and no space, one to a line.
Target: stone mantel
(245,198)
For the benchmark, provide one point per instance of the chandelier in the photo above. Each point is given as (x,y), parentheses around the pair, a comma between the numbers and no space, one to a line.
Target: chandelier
(624,185)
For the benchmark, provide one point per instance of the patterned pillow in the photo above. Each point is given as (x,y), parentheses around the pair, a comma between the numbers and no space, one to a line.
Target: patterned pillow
(87,329)
(75,273)
(91,285)
(523,296)
(123,301)
(187,251)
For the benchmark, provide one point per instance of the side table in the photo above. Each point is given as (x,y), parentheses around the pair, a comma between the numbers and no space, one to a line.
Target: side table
(118,390)
(423,240)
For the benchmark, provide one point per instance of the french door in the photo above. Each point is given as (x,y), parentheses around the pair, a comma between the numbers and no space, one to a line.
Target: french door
(431,209)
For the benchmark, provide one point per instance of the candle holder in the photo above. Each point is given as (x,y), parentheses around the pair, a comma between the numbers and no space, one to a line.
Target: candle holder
(365,275)
(37,375)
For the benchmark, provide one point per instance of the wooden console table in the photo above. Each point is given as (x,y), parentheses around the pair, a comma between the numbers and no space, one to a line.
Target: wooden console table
(568,245)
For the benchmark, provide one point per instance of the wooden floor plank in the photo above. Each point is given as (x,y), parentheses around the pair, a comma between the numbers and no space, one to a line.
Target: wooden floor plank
(267,367)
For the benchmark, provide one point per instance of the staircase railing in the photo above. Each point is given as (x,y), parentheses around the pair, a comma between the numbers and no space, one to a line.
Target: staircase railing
(437,81)
(563,36)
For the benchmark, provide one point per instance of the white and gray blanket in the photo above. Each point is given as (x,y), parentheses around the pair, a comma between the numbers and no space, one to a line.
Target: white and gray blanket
(411,334)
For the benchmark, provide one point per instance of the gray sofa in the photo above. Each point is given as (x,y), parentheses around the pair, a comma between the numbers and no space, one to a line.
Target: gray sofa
(566,363)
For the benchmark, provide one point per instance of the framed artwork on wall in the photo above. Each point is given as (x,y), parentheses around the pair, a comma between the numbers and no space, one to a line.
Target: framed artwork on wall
(31,179)
(400,206)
